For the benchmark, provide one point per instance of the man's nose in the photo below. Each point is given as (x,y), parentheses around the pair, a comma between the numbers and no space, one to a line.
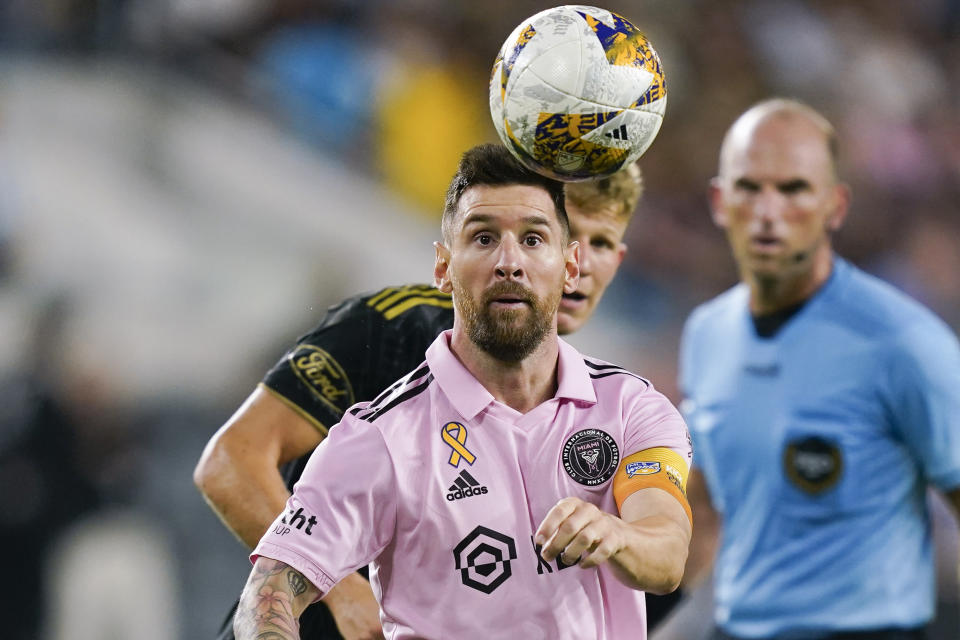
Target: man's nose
(509,257)
(768,205)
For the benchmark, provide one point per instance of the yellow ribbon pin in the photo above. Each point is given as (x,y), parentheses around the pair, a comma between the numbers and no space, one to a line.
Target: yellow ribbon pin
(457,443)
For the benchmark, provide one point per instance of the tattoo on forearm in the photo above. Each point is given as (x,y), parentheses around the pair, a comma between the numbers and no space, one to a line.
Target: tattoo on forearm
(266,607)
(296,582)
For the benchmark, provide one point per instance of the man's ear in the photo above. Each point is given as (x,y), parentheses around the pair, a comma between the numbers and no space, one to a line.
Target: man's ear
(842,197)
(571,279)
(715,196)
(621,251)
(441,268)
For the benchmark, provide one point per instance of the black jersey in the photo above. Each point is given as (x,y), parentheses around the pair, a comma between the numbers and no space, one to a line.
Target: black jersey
(360,347)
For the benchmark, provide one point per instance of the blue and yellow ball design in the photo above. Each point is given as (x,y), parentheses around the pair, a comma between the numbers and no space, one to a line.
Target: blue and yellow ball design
(577,93)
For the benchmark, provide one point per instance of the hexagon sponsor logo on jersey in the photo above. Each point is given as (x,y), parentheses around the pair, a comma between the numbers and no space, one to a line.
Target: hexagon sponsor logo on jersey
(642,468)
(590,456)
(483,559)
(323,375)
(813,464)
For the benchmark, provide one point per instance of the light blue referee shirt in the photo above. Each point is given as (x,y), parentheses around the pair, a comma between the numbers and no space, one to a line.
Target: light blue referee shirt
(817,445)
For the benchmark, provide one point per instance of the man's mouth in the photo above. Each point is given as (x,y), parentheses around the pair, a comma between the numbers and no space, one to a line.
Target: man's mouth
(573,301)
(508,301)
(765,242)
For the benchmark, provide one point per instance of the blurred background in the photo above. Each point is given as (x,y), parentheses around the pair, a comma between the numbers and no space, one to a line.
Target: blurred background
(185,186)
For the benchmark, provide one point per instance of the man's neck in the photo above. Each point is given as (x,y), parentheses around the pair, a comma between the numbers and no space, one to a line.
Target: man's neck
(520,385)
(769,295)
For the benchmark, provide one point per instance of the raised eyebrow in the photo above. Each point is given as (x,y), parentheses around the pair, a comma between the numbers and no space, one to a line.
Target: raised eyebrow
(477,218)
(797,184)
(484,218)
(536,221)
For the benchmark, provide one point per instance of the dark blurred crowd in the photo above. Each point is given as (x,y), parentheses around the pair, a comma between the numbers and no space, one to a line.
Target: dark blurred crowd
(397,90)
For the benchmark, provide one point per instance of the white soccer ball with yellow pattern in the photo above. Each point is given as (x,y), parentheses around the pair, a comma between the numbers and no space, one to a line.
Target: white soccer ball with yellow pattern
(577,93)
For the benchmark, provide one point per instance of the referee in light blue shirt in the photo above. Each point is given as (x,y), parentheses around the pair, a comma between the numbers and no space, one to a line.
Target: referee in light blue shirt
(822,403)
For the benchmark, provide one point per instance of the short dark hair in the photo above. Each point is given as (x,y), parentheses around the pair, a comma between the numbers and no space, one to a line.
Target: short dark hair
(493,165)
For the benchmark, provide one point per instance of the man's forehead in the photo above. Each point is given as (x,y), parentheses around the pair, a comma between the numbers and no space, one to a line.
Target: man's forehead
(780,150)
(605,219)
(514,200)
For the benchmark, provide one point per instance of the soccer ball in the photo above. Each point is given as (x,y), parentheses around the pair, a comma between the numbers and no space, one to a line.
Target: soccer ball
(577,92)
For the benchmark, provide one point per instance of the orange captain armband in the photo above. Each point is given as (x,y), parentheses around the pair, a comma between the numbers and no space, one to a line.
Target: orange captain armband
(660,468)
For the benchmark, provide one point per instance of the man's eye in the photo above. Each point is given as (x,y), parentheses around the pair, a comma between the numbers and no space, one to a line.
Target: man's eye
(532,241)
(601,243)
(484,239)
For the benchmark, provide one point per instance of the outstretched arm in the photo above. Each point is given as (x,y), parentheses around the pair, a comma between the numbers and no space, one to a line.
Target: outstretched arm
(272,601)
(646,546)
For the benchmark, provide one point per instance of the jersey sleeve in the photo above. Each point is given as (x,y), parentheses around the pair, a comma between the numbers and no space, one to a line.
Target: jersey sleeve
(658,450)
(342,511)
(359,348)
(925,400)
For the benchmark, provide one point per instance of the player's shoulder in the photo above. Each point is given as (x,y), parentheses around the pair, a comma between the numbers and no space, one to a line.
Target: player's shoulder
(396,402)
(395,304)
(719,311)
(410,303)
(877,309)
(606,375)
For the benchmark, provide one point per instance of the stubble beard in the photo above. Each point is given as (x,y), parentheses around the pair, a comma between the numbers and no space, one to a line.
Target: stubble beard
(508,335)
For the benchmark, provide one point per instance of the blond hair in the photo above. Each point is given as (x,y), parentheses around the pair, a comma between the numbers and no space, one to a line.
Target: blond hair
(620,192)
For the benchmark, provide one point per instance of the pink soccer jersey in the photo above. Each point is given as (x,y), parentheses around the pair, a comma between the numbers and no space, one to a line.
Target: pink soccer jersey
(441,488)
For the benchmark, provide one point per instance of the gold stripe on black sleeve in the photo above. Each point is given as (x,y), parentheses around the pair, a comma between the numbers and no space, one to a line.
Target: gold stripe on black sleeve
(393,312)
(372,302)
(299,411)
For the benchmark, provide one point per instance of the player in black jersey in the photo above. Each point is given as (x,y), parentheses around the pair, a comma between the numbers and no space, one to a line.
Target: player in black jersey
(360,347)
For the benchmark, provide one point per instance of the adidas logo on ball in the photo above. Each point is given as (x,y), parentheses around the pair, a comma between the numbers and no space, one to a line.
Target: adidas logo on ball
(465,486)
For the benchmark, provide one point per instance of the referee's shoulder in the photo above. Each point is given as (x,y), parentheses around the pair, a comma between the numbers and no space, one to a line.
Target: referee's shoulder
(878,309)
(715,312)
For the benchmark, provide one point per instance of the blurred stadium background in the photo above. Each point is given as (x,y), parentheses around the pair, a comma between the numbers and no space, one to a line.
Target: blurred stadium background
(185,186)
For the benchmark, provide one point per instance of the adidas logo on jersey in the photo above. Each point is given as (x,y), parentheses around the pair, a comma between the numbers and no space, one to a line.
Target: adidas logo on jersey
(465,486)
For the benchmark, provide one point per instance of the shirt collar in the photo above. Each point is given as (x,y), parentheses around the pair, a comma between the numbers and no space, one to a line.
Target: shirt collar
(469,397)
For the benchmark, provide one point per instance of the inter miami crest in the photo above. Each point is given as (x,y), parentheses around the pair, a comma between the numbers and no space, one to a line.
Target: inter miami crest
(591,456)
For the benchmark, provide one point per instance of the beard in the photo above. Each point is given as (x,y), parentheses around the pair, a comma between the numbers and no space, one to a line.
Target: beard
(509,335)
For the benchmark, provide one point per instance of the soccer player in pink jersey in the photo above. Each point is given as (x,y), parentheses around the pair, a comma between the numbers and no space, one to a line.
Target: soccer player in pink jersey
(507,487)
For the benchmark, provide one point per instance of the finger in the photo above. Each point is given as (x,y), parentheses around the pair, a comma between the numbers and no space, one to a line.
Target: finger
(585,540)
(567,531)
(557,514)
(602,552)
